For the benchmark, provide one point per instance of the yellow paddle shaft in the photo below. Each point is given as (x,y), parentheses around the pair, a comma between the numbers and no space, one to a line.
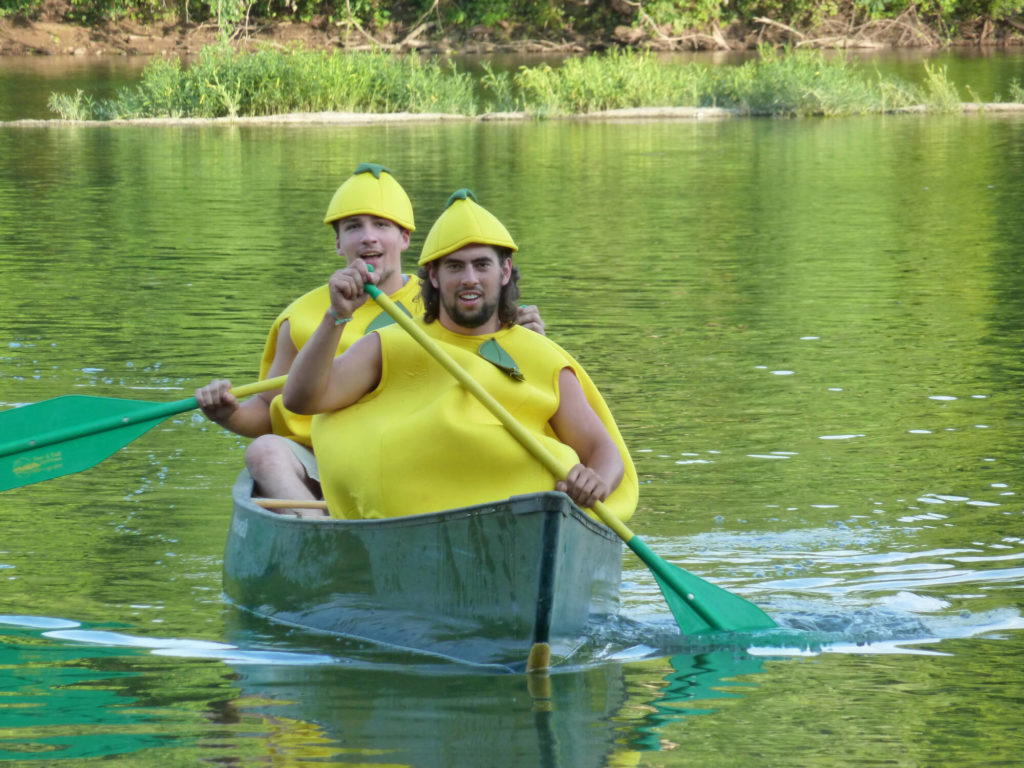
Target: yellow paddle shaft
(259,386)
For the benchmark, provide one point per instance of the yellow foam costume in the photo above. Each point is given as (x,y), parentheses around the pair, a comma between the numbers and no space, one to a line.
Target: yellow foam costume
(303,316)
(420,443)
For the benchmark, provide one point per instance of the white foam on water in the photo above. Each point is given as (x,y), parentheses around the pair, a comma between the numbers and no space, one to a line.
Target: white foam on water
(892,647)
(119,639)
(38,622)
(238,656)
(908,601)
(182,648)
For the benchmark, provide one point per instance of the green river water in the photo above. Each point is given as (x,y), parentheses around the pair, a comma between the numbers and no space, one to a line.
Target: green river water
(810,332)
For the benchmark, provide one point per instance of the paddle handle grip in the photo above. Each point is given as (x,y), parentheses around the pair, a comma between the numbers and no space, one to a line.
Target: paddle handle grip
(523,435)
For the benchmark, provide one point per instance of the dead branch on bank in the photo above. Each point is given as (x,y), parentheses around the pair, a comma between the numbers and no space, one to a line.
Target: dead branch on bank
(421,25)
(906,30)
(352,21)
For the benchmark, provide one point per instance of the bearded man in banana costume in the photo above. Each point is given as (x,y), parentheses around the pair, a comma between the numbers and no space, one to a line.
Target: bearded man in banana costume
(424,443)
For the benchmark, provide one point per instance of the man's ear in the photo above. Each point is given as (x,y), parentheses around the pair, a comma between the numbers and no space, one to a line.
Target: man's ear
(406,234)
(506,271)
(432,274)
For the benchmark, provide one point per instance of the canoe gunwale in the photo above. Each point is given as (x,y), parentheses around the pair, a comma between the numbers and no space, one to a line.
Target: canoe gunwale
(244,486)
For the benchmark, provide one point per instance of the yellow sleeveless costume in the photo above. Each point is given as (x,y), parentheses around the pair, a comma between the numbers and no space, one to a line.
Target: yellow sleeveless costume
(420,443)
(303,316)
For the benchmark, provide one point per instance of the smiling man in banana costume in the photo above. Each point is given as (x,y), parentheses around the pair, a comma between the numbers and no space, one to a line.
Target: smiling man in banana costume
(425,444)
(372,217)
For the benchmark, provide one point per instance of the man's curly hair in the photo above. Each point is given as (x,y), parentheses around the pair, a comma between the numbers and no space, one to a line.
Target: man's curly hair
(508,300)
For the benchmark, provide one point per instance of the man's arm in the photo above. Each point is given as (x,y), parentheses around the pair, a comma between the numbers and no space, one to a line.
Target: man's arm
(251,418)
(319,381)
(577,425)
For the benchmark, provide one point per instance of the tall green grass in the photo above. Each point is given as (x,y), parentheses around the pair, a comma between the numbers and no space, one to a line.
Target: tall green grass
(617,80)
(802,83)
(228,83)
(224,82)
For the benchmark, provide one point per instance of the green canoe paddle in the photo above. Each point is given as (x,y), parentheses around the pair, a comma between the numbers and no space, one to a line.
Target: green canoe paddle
(697,605)
(69,434)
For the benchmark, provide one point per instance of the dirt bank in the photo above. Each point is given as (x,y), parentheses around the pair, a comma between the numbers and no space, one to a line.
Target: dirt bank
(50,34)
(20,36)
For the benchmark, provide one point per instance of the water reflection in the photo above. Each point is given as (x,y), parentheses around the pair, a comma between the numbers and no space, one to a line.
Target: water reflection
(84,699)
(76,691)
(26,82)
(63,702)
(451,719)
(691,686)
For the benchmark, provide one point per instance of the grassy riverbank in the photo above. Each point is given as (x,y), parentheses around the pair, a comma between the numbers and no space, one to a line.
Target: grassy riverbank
(224,82)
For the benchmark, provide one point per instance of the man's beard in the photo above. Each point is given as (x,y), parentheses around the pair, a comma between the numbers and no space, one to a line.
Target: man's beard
(473,319)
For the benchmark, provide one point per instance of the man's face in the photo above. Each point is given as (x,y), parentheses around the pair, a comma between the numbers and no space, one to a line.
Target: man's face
(469,282)
(376,240)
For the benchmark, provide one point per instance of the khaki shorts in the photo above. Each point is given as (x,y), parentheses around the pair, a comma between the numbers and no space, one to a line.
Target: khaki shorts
(305,455)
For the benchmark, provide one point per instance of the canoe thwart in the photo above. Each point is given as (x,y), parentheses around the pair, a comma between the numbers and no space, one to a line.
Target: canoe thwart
(290,503)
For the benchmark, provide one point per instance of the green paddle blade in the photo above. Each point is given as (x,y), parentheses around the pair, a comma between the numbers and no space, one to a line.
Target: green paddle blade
(698,605)
(71,433)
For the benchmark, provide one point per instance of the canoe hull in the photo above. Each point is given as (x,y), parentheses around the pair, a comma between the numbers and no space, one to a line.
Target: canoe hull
(480,584)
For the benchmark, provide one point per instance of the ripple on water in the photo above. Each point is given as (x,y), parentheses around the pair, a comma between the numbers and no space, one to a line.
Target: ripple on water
(37,622)
(187,648)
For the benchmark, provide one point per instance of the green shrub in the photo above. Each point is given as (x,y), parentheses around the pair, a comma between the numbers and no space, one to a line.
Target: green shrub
(940,93)
(798,82)
(224,82)
(1016,91)
(616,80)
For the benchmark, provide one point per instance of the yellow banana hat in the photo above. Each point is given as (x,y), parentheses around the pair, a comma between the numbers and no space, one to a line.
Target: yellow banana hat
(464,221)
(371,189)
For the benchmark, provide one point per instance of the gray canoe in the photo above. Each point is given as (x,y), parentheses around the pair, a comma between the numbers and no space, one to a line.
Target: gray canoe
(480,584)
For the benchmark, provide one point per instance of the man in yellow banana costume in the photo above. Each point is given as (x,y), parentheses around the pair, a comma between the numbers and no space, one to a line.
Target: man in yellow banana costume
(373,219)
(424,443)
